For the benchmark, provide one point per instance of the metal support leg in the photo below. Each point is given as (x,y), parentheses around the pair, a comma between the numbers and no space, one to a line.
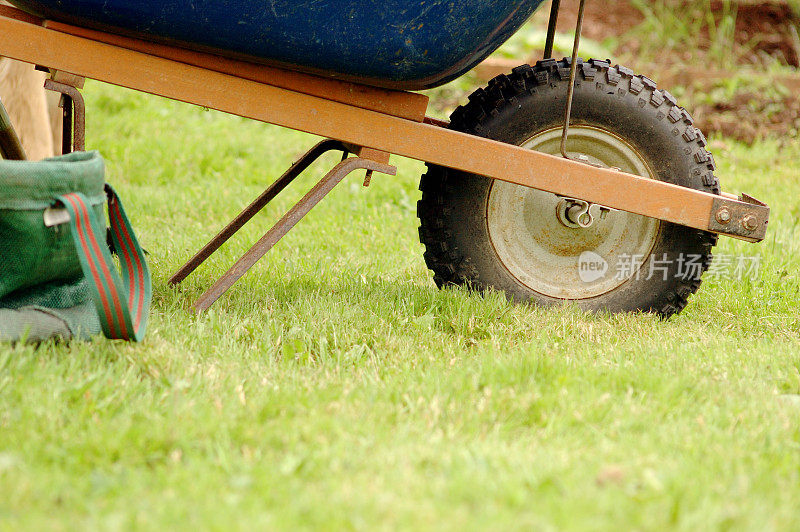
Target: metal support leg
(256,206)
(10,146)
(279,230)
(74,133)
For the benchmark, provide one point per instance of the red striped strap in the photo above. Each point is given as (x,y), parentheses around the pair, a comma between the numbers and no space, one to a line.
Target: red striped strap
(123,304)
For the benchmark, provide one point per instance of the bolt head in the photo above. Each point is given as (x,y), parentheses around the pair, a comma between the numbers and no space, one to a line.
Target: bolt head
(724,216)
(750,222)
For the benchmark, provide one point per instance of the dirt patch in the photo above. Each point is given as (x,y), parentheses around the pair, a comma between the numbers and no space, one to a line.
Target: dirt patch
(749,117)
(764,33)
(762,29)
(765,30)
(602,19)
(725,86)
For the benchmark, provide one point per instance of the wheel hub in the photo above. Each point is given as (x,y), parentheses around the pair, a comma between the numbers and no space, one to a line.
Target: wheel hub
(567,248)
(579,214)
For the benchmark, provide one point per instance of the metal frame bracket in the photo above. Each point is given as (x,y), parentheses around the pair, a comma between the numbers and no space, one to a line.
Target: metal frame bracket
(74,109)
(365,159)
(745,217)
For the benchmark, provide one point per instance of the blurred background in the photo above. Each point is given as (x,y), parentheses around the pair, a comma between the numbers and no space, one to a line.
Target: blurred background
(732,63)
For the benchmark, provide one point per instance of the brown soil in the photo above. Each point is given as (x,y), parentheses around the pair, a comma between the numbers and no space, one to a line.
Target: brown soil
(749,117)
(769,28)
(765,32)
(602,19)
(762,28)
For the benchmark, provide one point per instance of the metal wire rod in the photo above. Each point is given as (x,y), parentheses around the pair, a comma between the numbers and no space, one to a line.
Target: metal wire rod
(551,29)
(573,71)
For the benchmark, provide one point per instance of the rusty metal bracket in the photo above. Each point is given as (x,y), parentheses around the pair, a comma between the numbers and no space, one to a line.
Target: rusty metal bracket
(368,153)
(74,108)
(66,78)
(746,218)
(280,229)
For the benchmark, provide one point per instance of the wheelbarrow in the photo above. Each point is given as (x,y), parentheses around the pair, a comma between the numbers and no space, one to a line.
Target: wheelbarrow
(568,180)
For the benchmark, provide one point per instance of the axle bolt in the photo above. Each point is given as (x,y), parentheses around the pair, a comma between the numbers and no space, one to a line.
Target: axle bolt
(750,222)
(724,216)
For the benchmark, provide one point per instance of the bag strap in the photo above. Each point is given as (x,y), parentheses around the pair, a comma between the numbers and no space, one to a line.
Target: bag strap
(123,307)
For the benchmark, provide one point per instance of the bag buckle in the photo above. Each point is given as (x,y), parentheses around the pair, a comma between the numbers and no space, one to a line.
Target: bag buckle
(54,216)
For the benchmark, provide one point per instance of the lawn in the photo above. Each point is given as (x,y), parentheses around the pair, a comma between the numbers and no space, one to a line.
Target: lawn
(336,387)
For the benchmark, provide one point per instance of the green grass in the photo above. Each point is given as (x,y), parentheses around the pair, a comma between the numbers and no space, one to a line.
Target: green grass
(684,29)
(335,387)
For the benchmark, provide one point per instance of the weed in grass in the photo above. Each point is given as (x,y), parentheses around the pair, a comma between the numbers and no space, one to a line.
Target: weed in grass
(684,28)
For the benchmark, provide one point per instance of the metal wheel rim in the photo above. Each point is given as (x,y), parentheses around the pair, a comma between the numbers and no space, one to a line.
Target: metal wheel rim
(561,262)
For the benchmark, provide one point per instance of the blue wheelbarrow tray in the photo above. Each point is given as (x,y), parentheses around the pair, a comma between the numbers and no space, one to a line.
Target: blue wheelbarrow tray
(397,44)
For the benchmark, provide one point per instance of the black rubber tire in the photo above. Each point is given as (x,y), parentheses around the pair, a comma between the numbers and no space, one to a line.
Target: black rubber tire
(513,108)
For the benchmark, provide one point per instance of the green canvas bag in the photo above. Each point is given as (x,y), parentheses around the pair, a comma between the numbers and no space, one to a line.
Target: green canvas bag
(57,277)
